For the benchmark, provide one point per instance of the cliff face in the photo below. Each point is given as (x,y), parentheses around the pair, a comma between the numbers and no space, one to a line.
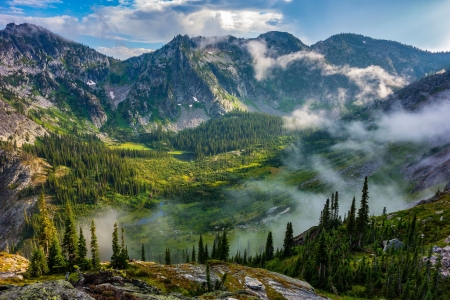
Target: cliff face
(18,171)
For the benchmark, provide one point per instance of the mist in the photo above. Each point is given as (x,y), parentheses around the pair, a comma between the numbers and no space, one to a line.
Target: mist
(373,81)
(104,224)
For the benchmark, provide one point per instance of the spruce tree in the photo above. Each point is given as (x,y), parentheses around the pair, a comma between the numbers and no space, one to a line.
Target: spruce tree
(201,251)
(115,258)
(193,254)
(351,221)
(142,253)
(362,220)
(38,264)
(269,251)
(70,236)
(46,227)
(167,259)
(224,249)
(81,251)
(55,260)
(95,254)
(288,243)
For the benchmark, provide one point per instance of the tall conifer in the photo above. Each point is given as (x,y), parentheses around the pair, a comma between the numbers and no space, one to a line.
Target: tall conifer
(95,254)
(70,236)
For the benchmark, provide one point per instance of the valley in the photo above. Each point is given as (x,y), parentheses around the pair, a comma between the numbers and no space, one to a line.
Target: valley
(204,137)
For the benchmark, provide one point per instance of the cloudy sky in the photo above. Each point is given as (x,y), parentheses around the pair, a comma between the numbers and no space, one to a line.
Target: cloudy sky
(124,28)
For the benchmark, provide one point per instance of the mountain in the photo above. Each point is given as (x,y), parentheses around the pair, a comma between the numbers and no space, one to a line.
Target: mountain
(40,69)
(198,78)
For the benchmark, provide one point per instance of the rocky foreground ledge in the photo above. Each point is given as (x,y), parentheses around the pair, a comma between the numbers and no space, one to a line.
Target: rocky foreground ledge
(146,280)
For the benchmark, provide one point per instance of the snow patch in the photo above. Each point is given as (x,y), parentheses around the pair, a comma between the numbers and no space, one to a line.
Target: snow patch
(111,94)
(90,83)
(195,99)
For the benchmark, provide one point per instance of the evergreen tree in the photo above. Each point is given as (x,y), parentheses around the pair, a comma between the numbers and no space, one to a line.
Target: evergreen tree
(167,259)
(201,251)
(224,249)
(193,254)
(70,236)
(362,220)
(115,258)
(55,260)
(142,253)
(81,251)
(208,279)
(288,243)
(321,259)
(336,206)
(95,254)
(351,220)
(38,264)
(46,227)
(269,251)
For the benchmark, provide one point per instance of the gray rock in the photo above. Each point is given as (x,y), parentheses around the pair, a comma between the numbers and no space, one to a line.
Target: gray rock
(394,243)
(253,283)
(58,289)
(437,249)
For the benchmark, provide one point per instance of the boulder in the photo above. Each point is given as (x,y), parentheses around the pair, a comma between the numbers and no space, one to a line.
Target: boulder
(58,289)
(394,243)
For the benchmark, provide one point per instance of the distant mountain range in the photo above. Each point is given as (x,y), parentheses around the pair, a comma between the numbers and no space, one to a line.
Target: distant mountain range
(199,77)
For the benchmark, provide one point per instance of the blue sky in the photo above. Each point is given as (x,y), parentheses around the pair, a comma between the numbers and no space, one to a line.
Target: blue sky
(123,28)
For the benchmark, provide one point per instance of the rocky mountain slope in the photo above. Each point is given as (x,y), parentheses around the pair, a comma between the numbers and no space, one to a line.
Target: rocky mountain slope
(18,172)
(172,282)
(36,63)
(274,72)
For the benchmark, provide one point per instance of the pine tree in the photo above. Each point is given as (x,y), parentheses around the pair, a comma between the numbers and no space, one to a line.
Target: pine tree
(201,251)
(269,251)
(70,236)
(46,227)
(142,253)
(115,258)
(167,259)
(55,260)
(362,220)
(81,251)
(351,220)
(193,254)
(288,243)
(208,279)
(38,264)
(95,254)
(224,249)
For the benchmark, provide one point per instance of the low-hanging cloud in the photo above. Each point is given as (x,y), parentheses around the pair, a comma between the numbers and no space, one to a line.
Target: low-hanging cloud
(304,118)
(372,81)
(122,52)
(429,124)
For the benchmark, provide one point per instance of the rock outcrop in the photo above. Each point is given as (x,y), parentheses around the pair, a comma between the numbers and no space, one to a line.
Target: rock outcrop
(58,289)
(18,172)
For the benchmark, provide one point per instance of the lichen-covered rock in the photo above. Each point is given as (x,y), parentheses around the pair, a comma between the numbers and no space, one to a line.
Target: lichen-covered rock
(394,243)
(59,289)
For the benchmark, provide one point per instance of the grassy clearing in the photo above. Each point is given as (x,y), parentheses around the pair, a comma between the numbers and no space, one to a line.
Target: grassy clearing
(130,146)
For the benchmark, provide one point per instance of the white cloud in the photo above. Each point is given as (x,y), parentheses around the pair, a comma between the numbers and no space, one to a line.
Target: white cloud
(429,124)
(33,3)
(373,81)
(304,118)
(160,21)
(122,52)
